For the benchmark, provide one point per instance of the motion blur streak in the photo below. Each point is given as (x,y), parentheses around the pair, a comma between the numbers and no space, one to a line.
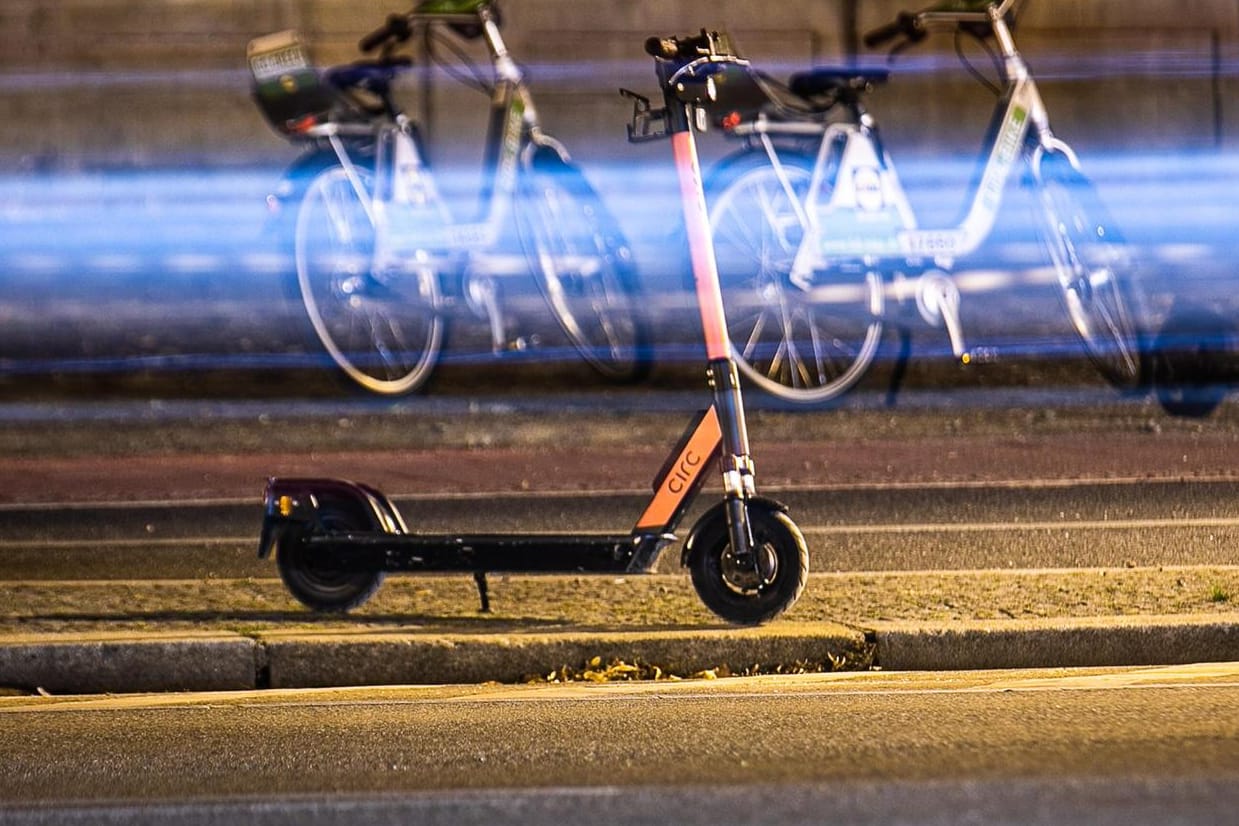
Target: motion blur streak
(180,269)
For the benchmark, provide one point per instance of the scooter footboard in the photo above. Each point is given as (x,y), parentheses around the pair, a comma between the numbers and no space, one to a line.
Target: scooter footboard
(294,505)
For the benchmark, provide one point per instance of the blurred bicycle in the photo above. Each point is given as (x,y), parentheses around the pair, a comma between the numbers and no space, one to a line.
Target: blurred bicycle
(811,221)
(381,259)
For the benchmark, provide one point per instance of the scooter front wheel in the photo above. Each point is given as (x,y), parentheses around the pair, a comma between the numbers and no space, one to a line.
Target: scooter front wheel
(749,591)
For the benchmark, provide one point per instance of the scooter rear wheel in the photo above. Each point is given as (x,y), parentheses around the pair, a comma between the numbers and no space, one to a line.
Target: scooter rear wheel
(744,594)
(317,580)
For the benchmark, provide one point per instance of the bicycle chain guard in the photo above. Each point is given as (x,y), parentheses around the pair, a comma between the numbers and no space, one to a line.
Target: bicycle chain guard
(937,299)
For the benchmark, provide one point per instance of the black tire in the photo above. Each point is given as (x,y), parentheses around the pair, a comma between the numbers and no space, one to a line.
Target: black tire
(746,597)
(584,268)
(319,582)
(807,344)
(1195,360)
(383,329)
(1094,272)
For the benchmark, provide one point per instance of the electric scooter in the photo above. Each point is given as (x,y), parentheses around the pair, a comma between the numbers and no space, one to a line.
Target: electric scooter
(335,540)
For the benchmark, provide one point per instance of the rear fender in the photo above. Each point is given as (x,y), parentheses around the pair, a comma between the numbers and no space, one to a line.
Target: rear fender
(292,506)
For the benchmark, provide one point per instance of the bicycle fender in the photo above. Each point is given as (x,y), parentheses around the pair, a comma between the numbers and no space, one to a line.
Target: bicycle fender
(291,506)
(1049,151)
(715,519)
(543,150)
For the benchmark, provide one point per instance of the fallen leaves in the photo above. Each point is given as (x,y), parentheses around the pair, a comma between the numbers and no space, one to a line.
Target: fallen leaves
(619,670)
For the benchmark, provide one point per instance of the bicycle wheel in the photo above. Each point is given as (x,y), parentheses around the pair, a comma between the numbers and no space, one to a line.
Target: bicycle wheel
(1093,268)
(383,329)
(584,268)
(1194,359)
(807,343)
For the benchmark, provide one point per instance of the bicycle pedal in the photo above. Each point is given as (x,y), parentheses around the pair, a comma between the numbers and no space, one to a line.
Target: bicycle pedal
(979,355)
(523,343)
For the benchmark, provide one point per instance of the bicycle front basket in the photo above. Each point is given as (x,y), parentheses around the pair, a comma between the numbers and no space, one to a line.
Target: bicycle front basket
(287,88)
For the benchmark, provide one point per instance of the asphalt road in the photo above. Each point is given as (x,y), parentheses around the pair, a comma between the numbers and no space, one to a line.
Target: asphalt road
(1145,746)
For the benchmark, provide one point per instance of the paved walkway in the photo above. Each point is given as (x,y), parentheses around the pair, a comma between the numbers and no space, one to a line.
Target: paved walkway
(231,634)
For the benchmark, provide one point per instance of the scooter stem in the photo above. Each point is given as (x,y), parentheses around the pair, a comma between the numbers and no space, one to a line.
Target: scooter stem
(701,246)
(736,463)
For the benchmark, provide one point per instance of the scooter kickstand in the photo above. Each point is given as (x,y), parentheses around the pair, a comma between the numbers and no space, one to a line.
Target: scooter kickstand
(479,577)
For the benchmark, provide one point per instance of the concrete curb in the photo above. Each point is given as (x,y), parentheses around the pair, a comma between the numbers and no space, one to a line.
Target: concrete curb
(329,659)
(119,663)
(124,663)
(1058,643)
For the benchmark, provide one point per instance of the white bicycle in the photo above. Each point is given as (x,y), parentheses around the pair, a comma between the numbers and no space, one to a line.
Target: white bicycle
(381,258)
(810,219)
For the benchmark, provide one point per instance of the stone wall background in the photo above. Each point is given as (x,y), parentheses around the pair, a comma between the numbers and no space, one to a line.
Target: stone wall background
(90,83)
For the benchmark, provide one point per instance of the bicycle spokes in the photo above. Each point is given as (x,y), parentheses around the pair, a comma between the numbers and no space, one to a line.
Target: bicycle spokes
(584,274)
(382,327)
(1092,269)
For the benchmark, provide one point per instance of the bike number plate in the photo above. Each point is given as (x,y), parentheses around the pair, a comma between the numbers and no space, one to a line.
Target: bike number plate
(286,86)
(276,55)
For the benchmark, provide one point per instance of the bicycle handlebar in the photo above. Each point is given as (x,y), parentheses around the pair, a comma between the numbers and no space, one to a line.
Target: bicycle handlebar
(712,46)
(397,28)
(914,26)
(692,57)
(906,24)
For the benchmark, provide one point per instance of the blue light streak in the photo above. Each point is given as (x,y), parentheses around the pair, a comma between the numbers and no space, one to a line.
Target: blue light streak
(162,252)
(175,269)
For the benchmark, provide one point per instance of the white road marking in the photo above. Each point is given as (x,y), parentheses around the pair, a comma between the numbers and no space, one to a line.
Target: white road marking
(1009,527)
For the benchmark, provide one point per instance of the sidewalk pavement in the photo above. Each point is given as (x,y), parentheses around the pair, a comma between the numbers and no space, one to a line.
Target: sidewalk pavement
(236,634)
(218,635)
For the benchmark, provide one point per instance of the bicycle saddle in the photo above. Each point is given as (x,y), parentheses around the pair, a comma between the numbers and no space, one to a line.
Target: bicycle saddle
(837,82)
(373,76)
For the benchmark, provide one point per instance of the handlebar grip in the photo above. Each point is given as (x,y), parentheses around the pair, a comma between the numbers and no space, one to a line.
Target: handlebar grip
(665,48)
(905,24)
(372,40)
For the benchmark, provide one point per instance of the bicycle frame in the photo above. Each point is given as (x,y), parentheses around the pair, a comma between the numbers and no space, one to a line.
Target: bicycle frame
(514,134)
(816,235)
(380,259)
(867,215)
(855,209)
